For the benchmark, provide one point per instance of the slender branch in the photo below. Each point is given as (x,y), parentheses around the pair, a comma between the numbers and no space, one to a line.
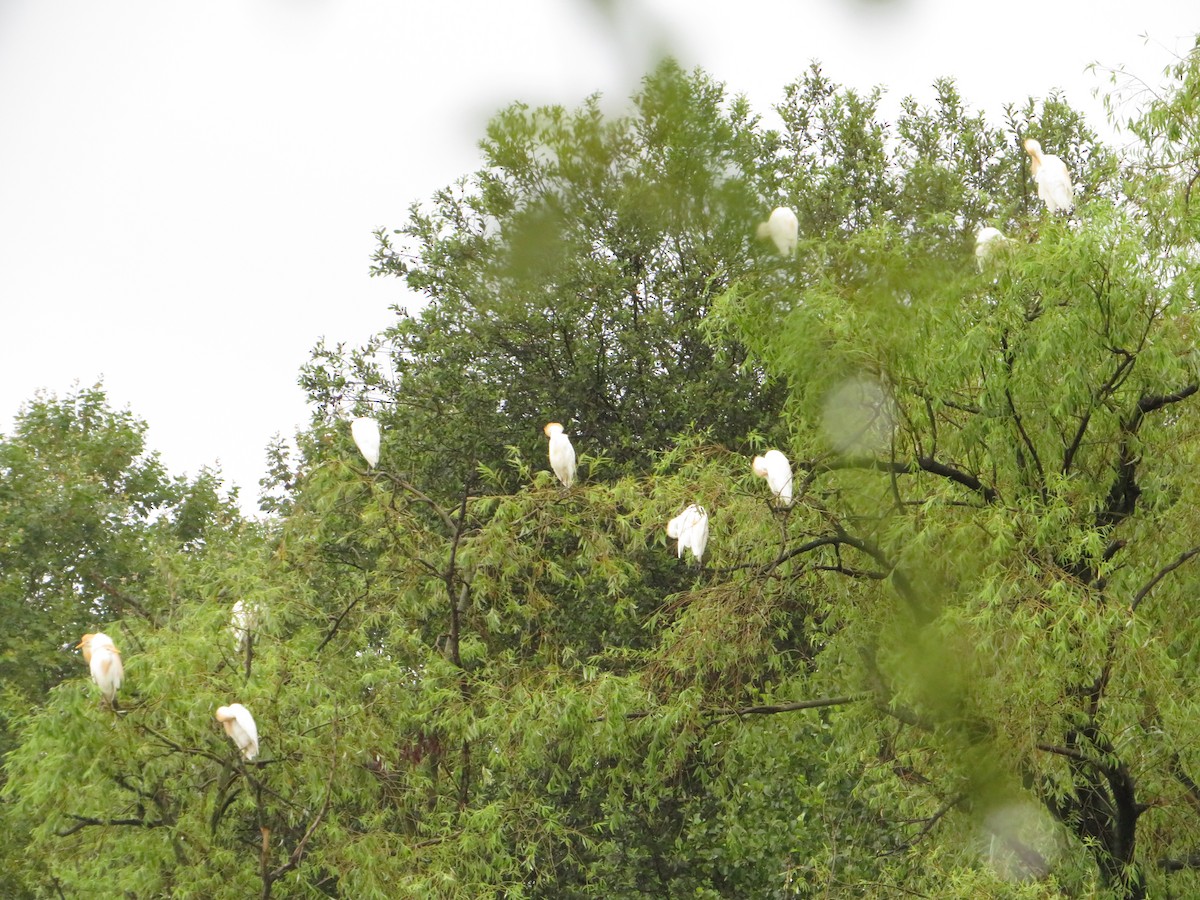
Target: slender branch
(772,709)
(1070,753)
(1181,775)
(1160,575)
(895,467)
(800,550)
(119,595)
(1177,865)
(179,748)
(899,580)
(930,823)
(337,623)
(298,853)
(424,498)
(1016,416)
(853,573)
(767,710)
(82,822)
(931,465)
(1105,390)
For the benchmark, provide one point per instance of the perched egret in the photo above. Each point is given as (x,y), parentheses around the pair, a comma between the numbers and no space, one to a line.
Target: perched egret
(988,241)
(783,228)
(775,467)
(239,725)
(562,454)
(690,527)
(243,621)
(104,659)
(365,432)
(1053,180)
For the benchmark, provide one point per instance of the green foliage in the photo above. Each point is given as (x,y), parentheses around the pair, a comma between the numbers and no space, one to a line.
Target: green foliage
(568,280)
(958,665)
(87,517)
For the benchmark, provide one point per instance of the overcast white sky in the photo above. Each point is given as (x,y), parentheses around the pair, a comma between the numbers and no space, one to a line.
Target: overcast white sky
(188,190)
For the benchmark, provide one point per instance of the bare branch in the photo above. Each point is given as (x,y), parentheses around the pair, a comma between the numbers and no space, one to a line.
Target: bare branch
(922,464)
(337,623)
(1118,375)
(1177,865)
(932,821)
(179,748)
(1160,575)
(82,822)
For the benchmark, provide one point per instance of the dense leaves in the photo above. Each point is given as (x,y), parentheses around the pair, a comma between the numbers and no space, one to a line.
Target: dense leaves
(959,665)
(568,280)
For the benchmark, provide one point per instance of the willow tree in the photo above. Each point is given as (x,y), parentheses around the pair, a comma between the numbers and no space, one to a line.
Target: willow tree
(957,664)
(87,514)
(1000,463)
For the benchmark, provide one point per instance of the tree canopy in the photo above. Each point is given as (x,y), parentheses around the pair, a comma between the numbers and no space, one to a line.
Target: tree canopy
(958,664)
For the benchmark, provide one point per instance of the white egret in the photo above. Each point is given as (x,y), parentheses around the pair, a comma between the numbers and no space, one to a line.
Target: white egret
(365,432)
(783,228)
(988,242)
(1053,180)
(239,725)
(562,454)
(774,467)
(690,527)
(104,660)
(242,622)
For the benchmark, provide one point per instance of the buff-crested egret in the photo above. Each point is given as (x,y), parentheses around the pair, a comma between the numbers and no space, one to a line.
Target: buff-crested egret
(562,454)
(239,725)
(1053,180)
(783,228)
(690,528)
(365,432)
(774,467)
(104,660)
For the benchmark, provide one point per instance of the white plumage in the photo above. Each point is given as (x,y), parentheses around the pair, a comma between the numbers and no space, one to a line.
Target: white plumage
(104,660)
(242,622)
(774,467)
(988,241)
(690,527)
(783,228)
(1053,179)
(562,454)
(239,725)
(365,432)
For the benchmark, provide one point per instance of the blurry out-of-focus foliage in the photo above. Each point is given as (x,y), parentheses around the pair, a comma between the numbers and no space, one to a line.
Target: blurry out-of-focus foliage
(959,665)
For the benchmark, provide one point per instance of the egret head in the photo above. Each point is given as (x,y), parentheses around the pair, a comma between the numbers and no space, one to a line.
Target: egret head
(552,429)
(764,230)
(1034,149)
(85,643)
(759,466)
